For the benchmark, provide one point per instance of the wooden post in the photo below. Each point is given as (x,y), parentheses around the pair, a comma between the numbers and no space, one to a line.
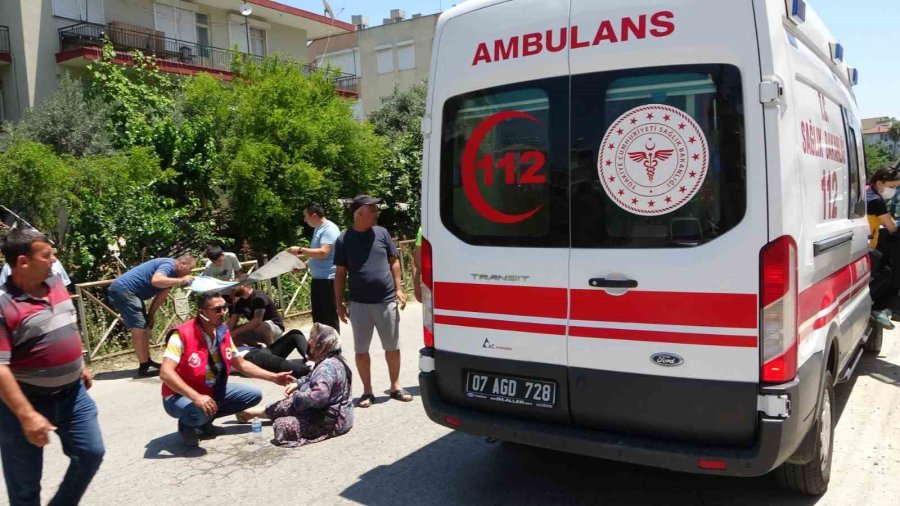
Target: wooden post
(82,321)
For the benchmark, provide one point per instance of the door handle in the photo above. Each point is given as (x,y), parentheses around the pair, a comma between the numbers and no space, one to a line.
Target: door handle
(612,283)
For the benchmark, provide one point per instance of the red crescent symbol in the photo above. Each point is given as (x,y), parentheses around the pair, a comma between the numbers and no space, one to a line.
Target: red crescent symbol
(470,184)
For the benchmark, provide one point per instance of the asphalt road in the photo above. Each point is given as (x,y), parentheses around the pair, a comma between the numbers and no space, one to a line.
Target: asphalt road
(395,455)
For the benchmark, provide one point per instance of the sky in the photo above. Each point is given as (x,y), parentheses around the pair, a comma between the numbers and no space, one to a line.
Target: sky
(866,28)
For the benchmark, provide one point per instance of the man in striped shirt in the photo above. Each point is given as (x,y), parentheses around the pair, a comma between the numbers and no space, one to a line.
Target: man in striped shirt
(43,381)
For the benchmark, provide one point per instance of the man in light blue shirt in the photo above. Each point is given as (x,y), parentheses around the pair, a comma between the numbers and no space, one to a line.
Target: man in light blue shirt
(321,265)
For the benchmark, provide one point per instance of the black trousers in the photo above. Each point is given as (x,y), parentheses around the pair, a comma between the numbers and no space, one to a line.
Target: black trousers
(324,310)
(274,358)
(889,246)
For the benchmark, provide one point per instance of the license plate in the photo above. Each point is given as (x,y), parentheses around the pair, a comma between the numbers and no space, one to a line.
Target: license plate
(510,390)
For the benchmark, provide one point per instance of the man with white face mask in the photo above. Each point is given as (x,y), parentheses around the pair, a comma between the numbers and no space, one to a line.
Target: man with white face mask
(881,188)
(886,245)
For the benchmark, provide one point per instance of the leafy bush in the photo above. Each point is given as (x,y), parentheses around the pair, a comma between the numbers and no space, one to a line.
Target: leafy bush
(401,187)
(288,140)
(35,183)
(878,157)
(67,121)
(116,197)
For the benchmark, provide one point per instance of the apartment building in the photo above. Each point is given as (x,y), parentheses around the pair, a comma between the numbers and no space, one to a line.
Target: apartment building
(396,53)
(40,39)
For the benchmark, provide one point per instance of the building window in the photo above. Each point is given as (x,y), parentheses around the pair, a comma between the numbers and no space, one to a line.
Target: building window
(385,59)
(257,41)
(203,34)
(406,56)
(81,10)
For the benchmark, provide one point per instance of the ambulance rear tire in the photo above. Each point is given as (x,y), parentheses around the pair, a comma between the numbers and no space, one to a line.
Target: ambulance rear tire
(812,478)
(873,345)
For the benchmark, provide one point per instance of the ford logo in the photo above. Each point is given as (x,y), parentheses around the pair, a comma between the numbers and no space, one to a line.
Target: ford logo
(666,359)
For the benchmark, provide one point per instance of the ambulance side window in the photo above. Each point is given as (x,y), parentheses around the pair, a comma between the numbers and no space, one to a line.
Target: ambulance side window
(853,164)
(658,156)
(504,166)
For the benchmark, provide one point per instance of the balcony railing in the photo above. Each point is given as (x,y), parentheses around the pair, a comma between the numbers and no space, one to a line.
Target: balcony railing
(173,50)
(4,39)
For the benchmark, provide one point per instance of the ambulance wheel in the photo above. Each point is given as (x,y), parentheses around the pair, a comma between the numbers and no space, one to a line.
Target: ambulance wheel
(812,478)
(873,345)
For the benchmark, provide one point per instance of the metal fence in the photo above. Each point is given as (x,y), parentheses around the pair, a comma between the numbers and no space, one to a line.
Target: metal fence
(104,335)
(166,48)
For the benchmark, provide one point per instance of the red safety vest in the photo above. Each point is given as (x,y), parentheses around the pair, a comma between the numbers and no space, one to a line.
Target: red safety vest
(192,367)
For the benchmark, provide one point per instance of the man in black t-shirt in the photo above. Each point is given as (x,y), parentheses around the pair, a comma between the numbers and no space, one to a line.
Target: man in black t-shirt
(264,324)
(366,256)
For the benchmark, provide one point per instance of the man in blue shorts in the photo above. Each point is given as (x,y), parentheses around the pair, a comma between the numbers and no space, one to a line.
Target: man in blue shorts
(151,279)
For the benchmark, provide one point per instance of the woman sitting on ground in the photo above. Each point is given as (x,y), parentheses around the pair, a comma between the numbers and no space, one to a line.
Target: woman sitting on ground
(317,406)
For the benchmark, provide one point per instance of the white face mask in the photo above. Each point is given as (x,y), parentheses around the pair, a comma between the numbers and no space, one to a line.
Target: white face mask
(887,193)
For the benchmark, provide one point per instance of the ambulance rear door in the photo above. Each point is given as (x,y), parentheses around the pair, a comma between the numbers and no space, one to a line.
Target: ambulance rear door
(498,210)
(668,203)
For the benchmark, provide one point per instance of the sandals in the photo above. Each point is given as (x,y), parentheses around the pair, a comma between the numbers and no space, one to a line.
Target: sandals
(368,399)
(401,395)
(365,401)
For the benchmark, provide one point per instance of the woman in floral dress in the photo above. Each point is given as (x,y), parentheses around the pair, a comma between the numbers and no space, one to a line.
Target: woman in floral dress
(318,406)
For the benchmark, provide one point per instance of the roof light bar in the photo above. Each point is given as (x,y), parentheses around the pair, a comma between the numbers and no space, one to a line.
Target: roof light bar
(837,52)
(796,10)
(853,76)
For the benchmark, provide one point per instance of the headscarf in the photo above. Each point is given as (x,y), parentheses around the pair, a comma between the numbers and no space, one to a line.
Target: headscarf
(324,342)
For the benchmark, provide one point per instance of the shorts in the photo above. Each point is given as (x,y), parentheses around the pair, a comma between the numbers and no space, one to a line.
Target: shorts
(257,334)
(277,331)
(130,308)
(365,318)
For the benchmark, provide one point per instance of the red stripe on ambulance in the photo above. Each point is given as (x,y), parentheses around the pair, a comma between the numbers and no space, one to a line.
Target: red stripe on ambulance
(732,310)
(498,299)
(748,341)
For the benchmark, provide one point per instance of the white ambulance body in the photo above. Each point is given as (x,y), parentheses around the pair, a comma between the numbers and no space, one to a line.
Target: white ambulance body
(645,233)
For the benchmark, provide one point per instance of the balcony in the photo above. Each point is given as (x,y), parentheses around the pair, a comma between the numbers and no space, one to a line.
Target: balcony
(82,43)
(5,54)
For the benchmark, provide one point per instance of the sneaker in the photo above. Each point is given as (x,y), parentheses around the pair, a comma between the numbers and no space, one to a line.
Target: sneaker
(189,436)
(883,319)
(148,369)
(210,431)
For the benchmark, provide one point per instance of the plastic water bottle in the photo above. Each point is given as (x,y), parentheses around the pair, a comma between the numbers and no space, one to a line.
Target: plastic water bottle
(256,435)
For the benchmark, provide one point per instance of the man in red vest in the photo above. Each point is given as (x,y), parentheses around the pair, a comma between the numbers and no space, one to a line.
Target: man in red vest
(199,356)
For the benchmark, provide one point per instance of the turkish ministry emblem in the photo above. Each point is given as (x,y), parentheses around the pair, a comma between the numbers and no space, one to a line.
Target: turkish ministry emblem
(194,360)
(653,160)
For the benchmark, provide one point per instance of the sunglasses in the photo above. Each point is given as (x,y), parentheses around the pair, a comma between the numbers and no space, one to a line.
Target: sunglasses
(218,309)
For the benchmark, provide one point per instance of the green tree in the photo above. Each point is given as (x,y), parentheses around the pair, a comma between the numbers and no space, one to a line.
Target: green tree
(117,197)
(894,131)
(35,184)
(148,108)
(287,140)
(140,97)
(877,157)
(68,121)
(400,121)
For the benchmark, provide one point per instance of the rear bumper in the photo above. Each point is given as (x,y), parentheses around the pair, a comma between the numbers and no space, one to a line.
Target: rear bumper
(775,441)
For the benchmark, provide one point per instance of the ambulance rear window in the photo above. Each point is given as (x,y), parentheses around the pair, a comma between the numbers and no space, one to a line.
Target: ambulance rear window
(637,158)
(504,166)
(658,157)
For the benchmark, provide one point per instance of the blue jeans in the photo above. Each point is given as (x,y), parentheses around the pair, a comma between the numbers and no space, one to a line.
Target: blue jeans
(237,398)
(75,416)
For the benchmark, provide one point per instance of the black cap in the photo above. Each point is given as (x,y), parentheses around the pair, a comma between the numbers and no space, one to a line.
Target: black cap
(362,200)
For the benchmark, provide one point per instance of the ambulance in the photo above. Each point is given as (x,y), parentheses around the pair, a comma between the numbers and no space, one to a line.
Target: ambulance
(644,232)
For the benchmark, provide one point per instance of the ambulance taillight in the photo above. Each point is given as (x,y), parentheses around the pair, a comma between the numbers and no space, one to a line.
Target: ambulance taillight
(778,310)
(427,298)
